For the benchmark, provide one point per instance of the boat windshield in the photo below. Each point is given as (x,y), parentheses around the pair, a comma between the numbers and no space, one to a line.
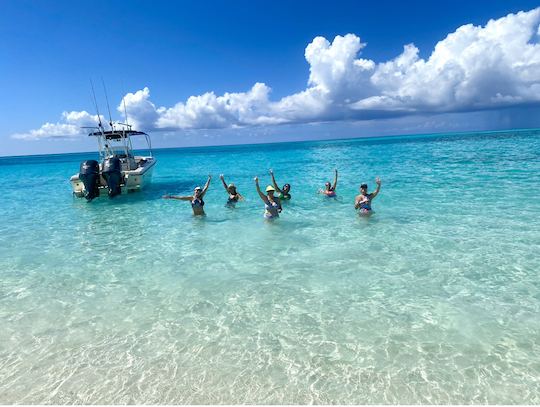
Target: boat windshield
(118,143)
(119,151)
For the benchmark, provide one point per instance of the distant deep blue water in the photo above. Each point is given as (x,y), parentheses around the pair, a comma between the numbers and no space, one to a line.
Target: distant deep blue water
(434,299)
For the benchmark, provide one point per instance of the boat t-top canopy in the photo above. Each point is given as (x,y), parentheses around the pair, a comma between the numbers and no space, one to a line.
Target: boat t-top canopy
(107,141)
(117,134)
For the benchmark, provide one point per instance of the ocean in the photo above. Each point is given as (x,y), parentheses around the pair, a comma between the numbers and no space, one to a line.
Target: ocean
(433,299)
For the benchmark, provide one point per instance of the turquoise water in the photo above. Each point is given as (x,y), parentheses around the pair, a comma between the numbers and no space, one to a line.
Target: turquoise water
(434,299)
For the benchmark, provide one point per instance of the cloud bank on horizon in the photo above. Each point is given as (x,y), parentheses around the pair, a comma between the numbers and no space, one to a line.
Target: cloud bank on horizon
(474,68)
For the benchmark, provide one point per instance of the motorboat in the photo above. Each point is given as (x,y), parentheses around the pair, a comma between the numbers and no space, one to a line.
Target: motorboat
(119,170)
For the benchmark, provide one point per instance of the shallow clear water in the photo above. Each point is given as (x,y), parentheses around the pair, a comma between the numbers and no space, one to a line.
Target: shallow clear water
(434,299)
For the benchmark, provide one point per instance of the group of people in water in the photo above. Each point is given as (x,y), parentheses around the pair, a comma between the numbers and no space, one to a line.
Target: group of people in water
(274,195)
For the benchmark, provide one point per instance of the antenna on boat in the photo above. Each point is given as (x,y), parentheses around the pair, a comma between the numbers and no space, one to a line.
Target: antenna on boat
(96,105)
(108,107)
(125,109)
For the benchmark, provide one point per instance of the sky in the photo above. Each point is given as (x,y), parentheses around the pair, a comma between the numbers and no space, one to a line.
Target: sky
(230,72)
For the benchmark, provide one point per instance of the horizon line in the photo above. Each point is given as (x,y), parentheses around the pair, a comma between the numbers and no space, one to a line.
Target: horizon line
(297,141)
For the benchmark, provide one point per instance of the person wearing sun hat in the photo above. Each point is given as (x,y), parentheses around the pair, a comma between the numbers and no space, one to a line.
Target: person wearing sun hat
(197,203)
(234,195)
(272,205)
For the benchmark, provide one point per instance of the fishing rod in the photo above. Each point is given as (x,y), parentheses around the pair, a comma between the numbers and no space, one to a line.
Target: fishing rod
(96,105)
(125,109)
(108,107)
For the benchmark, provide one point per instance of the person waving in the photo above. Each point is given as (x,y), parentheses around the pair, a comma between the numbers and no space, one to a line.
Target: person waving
(197,202)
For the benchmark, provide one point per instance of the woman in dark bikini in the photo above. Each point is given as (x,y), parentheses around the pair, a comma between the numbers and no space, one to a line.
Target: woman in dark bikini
(272,205)
(197,203)
(283,193)
(329,189)
(234,195)
(363,201)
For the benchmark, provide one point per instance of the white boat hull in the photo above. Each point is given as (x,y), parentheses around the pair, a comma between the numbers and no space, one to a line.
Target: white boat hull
(133,180)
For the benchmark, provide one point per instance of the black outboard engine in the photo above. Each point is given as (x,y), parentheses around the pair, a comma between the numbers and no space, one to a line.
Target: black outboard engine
(112,172)
(89,175)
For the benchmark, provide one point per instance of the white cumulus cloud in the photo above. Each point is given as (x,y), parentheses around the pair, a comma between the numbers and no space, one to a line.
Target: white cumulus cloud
(210,111)
(474,68)
(141,111)
(70,126)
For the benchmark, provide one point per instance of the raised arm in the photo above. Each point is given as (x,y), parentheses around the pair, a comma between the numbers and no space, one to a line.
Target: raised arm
(222,178)
(263,196)
(181,198)
(335,181)
(206,186)
(274,182)
(376,192)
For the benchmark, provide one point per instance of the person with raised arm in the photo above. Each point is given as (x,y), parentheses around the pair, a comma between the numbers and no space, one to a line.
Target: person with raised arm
(272,205)
(197,202)
(363,201)
(329,189)
(234,195)
(283,193)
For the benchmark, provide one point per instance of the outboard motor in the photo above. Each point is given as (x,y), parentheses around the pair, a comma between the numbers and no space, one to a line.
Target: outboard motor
(112,172)
(89,175)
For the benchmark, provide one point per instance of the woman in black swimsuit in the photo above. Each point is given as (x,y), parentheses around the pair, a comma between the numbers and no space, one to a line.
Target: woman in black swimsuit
(196,199)
(234,196)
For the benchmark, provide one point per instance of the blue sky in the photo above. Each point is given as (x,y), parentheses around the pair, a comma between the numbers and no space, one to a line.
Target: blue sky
(163,53)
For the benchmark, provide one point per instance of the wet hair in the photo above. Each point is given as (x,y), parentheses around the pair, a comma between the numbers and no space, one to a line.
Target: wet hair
(286,185)
(363,186)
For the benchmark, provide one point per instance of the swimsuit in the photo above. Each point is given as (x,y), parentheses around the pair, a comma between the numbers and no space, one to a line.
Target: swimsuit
(271,210)
(366,205)
(282,195)
(330,193)
(232,199)
(197,202)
